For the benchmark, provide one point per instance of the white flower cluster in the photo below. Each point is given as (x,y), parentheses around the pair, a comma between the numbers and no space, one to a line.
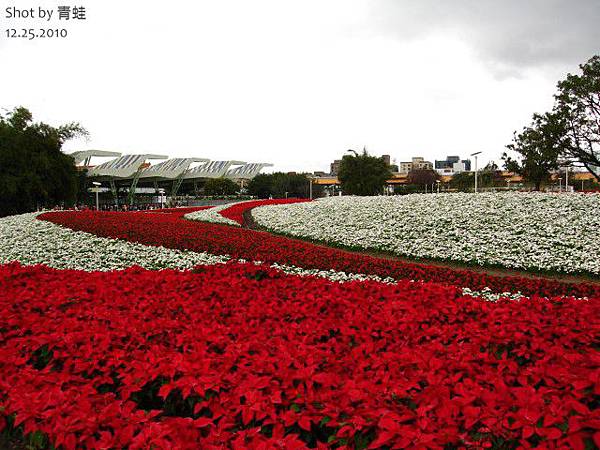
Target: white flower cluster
(333,275)
(490,296)
(530,231)
(213,215)
(30,241)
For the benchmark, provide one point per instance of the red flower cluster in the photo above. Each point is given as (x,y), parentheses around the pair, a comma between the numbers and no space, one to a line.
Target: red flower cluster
(247,357)
(236,212)
(172,231)
(179,210)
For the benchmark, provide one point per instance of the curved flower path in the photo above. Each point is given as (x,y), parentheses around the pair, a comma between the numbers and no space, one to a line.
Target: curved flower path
(237,355)
(175,232)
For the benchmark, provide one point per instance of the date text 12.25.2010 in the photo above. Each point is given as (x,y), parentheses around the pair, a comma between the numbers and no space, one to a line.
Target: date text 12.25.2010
(35,33)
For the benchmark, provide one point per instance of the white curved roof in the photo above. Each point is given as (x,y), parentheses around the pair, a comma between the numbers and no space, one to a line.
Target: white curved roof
(212,169)
(123,167)
(247,171)
(171,168)
(82,155)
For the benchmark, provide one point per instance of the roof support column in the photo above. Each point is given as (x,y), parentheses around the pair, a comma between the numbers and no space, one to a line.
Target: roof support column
(114,191)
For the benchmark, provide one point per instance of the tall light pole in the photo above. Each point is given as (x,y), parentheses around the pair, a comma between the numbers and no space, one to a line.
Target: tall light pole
(97,188)
(310,180)
(475,155)
(161,191)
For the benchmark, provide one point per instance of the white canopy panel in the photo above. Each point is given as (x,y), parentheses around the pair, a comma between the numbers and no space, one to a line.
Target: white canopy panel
(171,168)
(212,169)
(82,155)
(124,167)
(247,171)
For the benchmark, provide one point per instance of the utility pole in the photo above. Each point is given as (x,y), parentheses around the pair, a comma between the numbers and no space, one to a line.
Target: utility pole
(475,155)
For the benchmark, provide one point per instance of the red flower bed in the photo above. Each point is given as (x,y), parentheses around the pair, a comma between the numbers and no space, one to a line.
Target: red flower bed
(179,211)
(236,212)
(246,357)
(172,231)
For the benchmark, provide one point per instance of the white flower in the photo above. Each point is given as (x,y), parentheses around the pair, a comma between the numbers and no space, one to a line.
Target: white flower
(529,231)
(30,241)
(213,214)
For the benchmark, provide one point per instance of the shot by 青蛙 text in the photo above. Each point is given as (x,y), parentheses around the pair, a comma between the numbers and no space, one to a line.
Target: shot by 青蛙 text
(40,22)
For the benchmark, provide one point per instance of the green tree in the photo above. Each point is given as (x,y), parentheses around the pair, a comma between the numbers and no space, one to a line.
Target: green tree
(295,184)
(33,170)
(578,104)
(363,174)
(279,184)
(261,185)
(221,186)
(539,147)
(463,181)
(422,177)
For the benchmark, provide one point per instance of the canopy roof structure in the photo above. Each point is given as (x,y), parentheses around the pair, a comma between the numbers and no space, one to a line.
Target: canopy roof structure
(125,166)
(247,171)
(137,168)
(212,169)
(170,169)
(84,156)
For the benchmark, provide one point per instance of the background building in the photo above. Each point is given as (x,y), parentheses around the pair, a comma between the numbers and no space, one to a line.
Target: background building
(334,167)
(417,163)
(452,165)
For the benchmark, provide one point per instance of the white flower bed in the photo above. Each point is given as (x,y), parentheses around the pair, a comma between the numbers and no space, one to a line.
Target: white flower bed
(30,241)
(531,231)
(213,215)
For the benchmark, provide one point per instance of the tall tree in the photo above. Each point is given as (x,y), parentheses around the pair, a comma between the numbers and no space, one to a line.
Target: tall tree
(363,174)
(539,147)
(261,185)
(279,184)
(422,177)
(578,104)
(33,170)
(463,181)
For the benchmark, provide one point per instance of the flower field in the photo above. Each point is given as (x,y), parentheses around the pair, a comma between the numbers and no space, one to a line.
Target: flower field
(172,231)
(246,357)
(30,241)
(548,232)
(147,330)
(233,213)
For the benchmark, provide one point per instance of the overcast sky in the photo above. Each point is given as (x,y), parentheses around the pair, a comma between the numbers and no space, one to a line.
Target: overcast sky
(297,83)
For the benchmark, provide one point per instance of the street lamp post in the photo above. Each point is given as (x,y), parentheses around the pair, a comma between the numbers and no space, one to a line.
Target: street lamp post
(161,192)
(438,185)
(97,188)
(475,155)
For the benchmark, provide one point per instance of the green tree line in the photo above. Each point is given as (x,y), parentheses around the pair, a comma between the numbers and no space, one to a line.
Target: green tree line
(34,173)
